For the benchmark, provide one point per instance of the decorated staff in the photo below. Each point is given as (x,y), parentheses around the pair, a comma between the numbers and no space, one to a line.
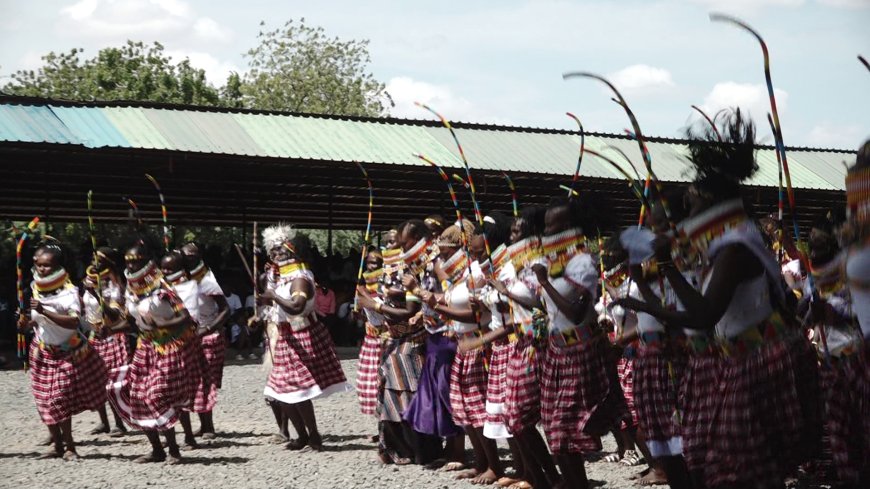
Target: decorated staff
(166,237)
(19,285)
(780,196)
(572,192)
(709,121)
(93,232)
(632,183)
(362,255)
(513,188)
(864,62)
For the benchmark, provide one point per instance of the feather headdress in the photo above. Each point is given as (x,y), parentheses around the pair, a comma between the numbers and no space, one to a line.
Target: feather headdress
(277,235)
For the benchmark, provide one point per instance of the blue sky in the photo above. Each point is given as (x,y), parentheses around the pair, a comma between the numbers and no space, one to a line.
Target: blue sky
(502,61)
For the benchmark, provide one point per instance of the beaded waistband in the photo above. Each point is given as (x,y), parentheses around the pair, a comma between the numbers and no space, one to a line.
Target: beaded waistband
(166,340)
(576,335)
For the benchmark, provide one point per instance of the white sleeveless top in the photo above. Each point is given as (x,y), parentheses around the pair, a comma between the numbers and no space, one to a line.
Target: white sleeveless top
(153,304)
(580,273)
(111,293)
(283,290)
(750,305)
(64,301)
(458,297)
(208,307)
(858,277)
(492,298)
(188,292)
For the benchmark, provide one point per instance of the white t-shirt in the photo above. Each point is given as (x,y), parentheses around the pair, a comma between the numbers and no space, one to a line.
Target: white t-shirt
(111,293)
(64,301)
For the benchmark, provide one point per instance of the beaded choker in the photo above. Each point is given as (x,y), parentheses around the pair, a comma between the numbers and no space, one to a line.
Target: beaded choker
(176,278)
(199,271)
(560,248)
(616,275)
(455,266)
(417,257)
(524,252)
(500,256)
(144,281)
(702,229)
(372,279)
(858,194)
(53,282)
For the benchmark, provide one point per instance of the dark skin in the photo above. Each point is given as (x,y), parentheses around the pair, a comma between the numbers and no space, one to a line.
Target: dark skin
(301,415)
(407,240)
(192,257)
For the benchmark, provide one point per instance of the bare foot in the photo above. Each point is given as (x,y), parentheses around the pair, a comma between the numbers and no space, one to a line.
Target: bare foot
(173,459)
(151,458)
(452,466)
(190,444)
(435,464)
(100,429)
(653,478)
(278,439)
(467,474)
(70,455)
(209,436)
(118,432)
(50,454)
(486,478)
(315,442)
(506,481)
(521,485)
(297,444)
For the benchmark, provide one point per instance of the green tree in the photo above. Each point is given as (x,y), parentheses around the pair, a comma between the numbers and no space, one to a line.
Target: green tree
(135,71)
(300,69)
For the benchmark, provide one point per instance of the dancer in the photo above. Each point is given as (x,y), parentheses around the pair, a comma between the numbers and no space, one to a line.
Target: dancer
(211,317)
(67,376)
(305,365)
(370,353)
(106,333)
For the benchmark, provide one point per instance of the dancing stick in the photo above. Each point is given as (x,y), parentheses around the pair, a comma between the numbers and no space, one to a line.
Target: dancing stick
(781,198)
(166,238)
(22,340)
(864,62)
(572,193)
(253,278)
(362,258)
(93,233)
(709,121)
(513,194)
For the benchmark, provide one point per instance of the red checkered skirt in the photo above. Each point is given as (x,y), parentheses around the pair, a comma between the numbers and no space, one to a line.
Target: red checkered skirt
(306,365)
(468,388)
(805,359)
(580,399)
(155,387)
(522,397)
(367,374)
(657,376)
(113,350)
(66,383)
(699,393)
(496,381)
(757,423)
(214,348)
(206,392)
(846,413)
(625,372)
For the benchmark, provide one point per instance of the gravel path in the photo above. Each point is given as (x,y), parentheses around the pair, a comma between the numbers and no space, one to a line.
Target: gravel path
(242,455)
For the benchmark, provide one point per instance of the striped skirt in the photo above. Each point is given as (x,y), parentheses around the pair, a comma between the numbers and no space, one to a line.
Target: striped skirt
(305,366)
(66,383)
(399,375)
(113,350)
(580,399)
(495,426)
(468,388)
(156,387)
(522,400)
(367,374)
(625,372)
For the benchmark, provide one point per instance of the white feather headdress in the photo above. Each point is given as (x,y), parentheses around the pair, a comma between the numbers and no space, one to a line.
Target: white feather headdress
(277,235)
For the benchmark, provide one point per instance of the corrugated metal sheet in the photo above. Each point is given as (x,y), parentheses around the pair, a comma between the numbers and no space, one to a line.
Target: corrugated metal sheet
(387,142)
(33,124)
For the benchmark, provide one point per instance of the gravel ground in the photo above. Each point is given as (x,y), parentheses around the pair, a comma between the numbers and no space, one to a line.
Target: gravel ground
(241,456)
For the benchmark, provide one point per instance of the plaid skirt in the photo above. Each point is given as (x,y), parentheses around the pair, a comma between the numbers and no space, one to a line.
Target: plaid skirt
(757,422)
(580,398)
(625,372)
(206,390)
(805,359)
(156,387)
(468,388)
(305,366)
(367,374)
(522,397)
(847,407)
(66,383)
(214,348)
(113,350)
(699,393)
(657,377)
(399,375)
(495,426)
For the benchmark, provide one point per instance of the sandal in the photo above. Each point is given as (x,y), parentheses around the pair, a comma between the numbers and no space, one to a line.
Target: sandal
(631,458)
(613,458)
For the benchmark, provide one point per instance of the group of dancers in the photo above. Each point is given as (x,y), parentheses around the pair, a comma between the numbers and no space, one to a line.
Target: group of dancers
(704,339)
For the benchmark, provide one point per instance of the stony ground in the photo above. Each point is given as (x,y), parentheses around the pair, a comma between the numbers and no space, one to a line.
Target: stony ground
(242,455)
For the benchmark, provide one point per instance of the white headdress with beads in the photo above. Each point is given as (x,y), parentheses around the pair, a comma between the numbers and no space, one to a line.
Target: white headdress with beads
(277,235)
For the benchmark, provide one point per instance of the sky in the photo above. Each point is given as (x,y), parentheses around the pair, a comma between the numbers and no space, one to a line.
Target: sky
(501,61)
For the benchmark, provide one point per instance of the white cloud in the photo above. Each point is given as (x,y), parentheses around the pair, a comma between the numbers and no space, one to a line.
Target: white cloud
(177,8)
(81,10)
(830,135)
(215,69)
(404,91)
(748,97)
(850,4)
(640,78)
(208,29)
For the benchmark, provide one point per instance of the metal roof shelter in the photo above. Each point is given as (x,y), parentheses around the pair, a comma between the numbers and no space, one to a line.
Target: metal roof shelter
(228,167)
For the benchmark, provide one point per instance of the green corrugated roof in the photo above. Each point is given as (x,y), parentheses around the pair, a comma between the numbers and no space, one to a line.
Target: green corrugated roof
(385,141)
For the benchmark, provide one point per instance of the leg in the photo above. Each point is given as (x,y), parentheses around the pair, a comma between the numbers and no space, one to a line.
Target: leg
(573,471)
(540,453)
(206,425)
(493,469)
(119,429)
(157,453)
(518,462)
(103,427)
(56,441)
(306,410)
(281,419)
(69,443)
(172,446)
(189,440)
(454,453)
(292,414)
(676,471)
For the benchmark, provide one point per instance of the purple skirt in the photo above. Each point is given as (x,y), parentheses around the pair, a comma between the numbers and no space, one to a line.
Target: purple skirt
(429,411)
